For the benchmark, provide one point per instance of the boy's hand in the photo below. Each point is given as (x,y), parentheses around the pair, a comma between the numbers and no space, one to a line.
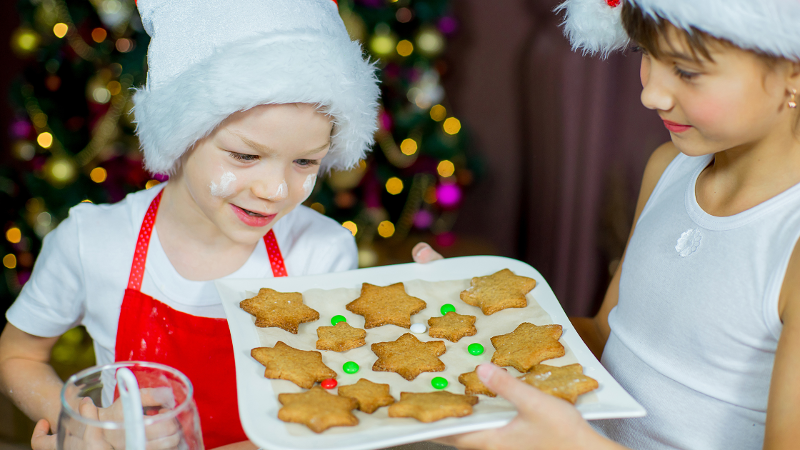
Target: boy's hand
(542,422)
(424,253)
(40,439)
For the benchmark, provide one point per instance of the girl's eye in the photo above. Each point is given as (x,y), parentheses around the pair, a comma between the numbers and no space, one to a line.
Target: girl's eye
(684,75)
(243,157)
(306,162)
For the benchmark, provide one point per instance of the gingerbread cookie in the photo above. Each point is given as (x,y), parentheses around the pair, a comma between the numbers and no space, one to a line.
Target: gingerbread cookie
(408,356)
(498,291)
(386,305)
(566,382)
(370,396)
(432,406)
(474,385)
(279,309)
(340,337)
(527,345)
(317,409)
(303,368)
(452,326)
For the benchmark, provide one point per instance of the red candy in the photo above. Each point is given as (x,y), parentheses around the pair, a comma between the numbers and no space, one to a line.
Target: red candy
(330,383)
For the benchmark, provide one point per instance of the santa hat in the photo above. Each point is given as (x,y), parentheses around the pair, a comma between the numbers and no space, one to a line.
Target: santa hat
(765,26)
(208,59)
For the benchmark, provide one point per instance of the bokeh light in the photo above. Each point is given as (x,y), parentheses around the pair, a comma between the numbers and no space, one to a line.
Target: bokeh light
(386,229)
(408,146)
(60,30)
(382,44)
(318,207)
(13,235)
(446,168)
(98,174)
(350,225)
(394,185)
(448,195)
(438,113)
(10,261)
(99,35)
(151,183)
(405,48)
(45,140)
(452,125)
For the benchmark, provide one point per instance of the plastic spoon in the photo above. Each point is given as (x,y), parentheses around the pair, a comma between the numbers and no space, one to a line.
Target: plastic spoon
(131,409)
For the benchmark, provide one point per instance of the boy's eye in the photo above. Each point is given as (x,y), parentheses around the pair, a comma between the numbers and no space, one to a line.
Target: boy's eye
(639,49)
(684,74)
(243,157)
(306,162)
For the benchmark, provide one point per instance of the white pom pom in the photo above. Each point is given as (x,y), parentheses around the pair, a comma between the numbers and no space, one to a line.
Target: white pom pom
(593,26)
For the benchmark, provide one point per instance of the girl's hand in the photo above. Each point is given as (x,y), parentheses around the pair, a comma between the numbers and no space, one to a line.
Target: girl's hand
(424,253)
(542,422)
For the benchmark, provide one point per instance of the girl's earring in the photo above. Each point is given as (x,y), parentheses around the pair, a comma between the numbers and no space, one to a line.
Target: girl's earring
(792,103)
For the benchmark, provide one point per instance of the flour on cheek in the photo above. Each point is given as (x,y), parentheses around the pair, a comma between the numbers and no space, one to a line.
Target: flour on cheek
(224,188)
(308,186)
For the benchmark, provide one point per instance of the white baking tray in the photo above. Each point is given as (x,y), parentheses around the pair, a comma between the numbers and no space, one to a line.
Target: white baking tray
(258,404)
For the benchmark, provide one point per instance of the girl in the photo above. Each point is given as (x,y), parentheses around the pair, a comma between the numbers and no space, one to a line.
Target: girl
(702,322)
(244,104)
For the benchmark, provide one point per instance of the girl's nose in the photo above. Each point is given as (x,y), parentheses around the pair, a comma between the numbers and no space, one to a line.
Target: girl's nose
(655,93)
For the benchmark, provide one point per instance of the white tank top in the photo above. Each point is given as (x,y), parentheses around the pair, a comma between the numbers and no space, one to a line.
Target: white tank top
(694,334)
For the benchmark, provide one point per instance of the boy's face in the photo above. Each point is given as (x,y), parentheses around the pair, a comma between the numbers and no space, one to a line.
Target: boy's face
(734,101)
(256,167)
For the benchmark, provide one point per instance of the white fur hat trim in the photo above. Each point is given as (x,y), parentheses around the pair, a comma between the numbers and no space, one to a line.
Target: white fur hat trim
(767,26)
(211,58)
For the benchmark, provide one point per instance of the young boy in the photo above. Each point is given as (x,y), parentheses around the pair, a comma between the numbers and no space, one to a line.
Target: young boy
(245,103)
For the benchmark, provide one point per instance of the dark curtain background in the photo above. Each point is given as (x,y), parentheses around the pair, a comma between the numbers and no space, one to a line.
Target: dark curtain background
(565,138)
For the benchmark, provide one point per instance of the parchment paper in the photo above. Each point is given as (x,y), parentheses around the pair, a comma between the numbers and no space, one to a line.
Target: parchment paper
(457,359)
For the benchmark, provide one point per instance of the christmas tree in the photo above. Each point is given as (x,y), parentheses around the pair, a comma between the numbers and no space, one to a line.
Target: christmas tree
(75,142)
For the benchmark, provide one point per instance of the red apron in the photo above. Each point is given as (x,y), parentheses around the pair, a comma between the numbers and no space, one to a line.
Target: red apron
(200,347)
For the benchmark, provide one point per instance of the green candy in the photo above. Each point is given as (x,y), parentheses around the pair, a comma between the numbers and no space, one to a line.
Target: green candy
(350,367)
(446,308)
(337,319)
(475,349)
(439,383)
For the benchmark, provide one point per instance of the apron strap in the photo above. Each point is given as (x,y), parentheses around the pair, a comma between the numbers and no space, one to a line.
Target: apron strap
(143,243)
(274,253)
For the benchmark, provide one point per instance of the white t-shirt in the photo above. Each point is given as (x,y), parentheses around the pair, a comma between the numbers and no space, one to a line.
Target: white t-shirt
(82,271)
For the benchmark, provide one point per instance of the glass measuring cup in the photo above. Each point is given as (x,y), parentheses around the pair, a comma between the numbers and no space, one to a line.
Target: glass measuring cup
(92,415)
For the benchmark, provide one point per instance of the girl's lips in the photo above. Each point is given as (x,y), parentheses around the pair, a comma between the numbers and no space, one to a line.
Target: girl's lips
(675,127)
(253,221)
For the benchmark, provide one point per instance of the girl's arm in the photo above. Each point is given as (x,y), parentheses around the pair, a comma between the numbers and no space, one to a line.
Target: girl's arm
(26,376)
(595,330)
(783,410)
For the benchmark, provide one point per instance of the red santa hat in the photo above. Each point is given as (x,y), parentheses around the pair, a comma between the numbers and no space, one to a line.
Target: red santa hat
(208,59)
(765,26)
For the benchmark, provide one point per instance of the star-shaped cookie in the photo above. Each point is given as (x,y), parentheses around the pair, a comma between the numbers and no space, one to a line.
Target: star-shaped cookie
(474,385)
(279,309)
(303,368)
(452,326)
(498,291)
(370,396)
(527,345)
(432,406)
(408,356)
(317,409)
(386,305)
(340,337)
(566,382)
